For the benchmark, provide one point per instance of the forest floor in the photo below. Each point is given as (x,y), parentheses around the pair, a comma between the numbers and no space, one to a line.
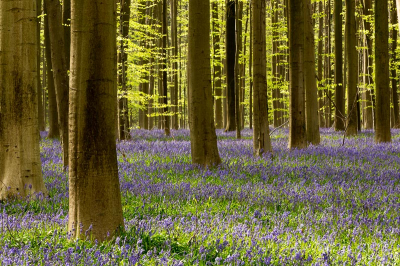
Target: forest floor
(324,205)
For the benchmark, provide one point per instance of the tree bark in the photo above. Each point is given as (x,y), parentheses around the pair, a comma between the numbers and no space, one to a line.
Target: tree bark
(54,130)
(261,138)
(352,67)
(174,37)
(320,47)
(20,165)
(382,120)
(339,91)
(42,125)
(202,130)
(395,96)
(95,209)
(165,68)
(60,70)
(230,65)
(123,127)
(310,82)
(217,66)
(297,122)
(238,37)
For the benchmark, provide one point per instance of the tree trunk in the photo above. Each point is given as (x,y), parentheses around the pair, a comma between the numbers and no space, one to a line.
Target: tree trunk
(165,68)
(66,21)
(54,130)
(251,68)
(352,67)
(320,47)
(382,120)
(310,82)
(230,65)
(42,125)
(202,130)
(123,127)
(275,74)
(20,165)
(339,91)
(297,123)
(174,37)
(368,66)
(60,70)
(217,66)
(395,96)
(238,37)
(261,138)
(95,209)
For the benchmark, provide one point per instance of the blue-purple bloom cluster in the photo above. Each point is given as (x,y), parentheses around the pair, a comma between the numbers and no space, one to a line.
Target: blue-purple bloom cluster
(324,205)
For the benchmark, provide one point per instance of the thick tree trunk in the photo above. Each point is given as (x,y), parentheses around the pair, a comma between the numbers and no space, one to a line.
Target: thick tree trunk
(95,209)
(382,120)
(202,130)
(297,122)
(339,91)
(54,130)
(230,65)
(123,125)
(20,165)
(310,82)
(395,96)
(60,70)
(261,138)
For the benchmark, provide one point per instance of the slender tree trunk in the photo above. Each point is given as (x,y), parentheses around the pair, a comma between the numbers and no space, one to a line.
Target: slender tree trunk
(202,130)
(94,193)
(382,133)
(310,82)
(66,21)
(320,47)
(60,70)
(165,68)
(54,130)
(217,67)
(395,96)
(20,165)
(368,67)
(230,65)
(238,36)
(39,84)
(123,127)
(339,91)
(352,67)
(174,36)
(275,78)
(261,138)
(251,68)
(297,122)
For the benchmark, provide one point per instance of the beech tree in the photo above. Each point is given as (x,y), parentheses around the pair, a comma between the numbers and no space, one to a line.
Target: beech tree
(352,68)
(201,115)
(310,81)
(94,193)
(261,138)
(60,69)
(20,165)
(230,65)
(339,90)
(382,120)
(297,125)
